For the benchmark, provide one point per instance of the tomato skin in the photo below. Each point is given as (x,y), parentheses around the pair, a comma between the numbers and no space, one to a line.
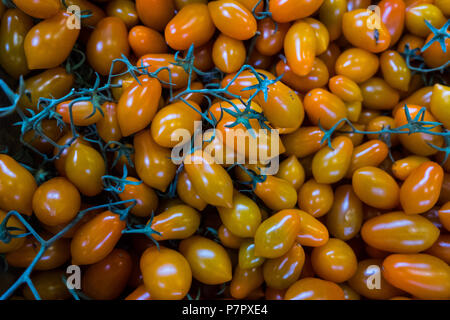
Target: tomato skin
(243,218)
(282,272)
(314,289)
(17,186)
(331,13)
(377,123)
(49,285)
(106,279)
(146,198)
(270,42)
(209,261)
(108,126)
(50,42)
(277,194)
(444,215)
(145,40)
(276,235)
(176,222)
(366,269)
(191,25)
(82,112)
(357,64)
(303,142)
(323,106)
(331,164)
(421,275)
(13,30)
(318,77)
(330,56)
(345,88)
(60,163)
(38,9)
(371,153)
(163,285)
(402,168)
(439,99)
(300,48)
(378,95)
(233,19)
(420,191)
(153,162)
(434,56)
(125,10)
(376,188)
(188,194)
(155,14)
(228,54)
(245,281)
(274,294)
(285,11)
(441,248)
(140,293)
(315,198)
(94,240)
(247,258)
(416,15)
(50,132)
(393,17)
(14,243)
(292,170)
(228,239)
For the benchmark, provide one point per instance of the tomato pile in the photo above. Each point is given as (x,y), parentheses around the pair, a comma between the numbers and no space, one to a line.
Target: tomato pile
(356,91)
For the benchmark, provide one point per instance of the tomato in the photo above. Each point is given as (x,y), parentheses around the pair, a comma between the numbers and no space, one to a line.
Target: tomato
(439,99)
(203,57)
(57,254)
(349,293)
(108,126)
(420,97)
(345,88)
(331,13)
(357,4)
(420,191)
(176,222)
(321,35)
(50,131)
(315,198)
(303,142)
(357,64)
(285,11)
(228,54)
(377,94)
(106,279)
(50,42)
(416,16)
(41,9)
(96,12)
(300,47)
(277,194)
(377,123)
(274,294)
(14,243)
(144,40)
(282,272)
(366,274)
(345,218)
(94,240)
(155,14)
(153,162)
(50,286)
(314,289)
(318,77)
(376,188)
(421,275)
(192,25)
(330,56)
(187,193)
(434,56)
(276,235)
(395,71)
(83,112)
(140,293)
(13,29)
(444,216)
(271,40)
(441,248)
(292,170)
(245,281)
(331,164)
(402,168)
(233,19)
(146,198)
(124,10)
(194,96)
(371,153)
(323,107)
(67,139)
(17,186)
(228,239)
(161,284)
(393,17)
(247,257)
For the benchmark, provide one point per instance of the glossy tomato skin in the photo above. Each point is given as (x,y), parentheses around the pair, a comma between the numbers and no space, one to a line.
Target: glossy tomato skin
(245,281)
(321,105)
(395,71)
(420,191)
(378,95)
(144,40)
(14,27)
(444,215)
(146,198)
(402,168)
(300,48)
(357,64)
(421,275)
(303,142)
(318,77)
(209,261)
(441,248)
(96,239)
(314,289)
(292,170)
(14,243)
(61,155)
(155,14)
(163,285)
(439,99)
(434,56)
(331,13)
(271,40)
(106,279)
(417,13)
(108,126)
(228,239)
(176,222)
(140,293)
(50,42)
(285,11)
(315,198)
(17,186)
(247,258)
(277,194)
(187,193)
(371,153)
(125,10)
(41,9)
(228,54)
(393,17)
(345,88)
(83,112)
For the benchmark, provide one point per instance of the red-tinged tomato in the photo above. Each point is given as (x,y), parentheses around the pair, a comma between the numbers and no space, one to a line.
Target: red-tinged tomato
(416,16)
(209,261)
(378,95)
(321,34)
(17,186)
(81,113)
(282,272)
(245,281)
(50,42)
(13,30)
(277,194)
(50,131)
(176,222)
(357,64)
(421,275)
(376,188)
(330,164)
(285,11)
(125,10)
(49,285)
(439,100)
(314,289)
(330,56)
(187,193)
(323,107)
(96,13)
(393,17)
(57,254)
(444,215)
(378,123)
(331,13)
(203,57)
(345,218)
(365,281)
(108,126)
(418,143)
(303,142)
(228,239)
(144,40)
(300,47)
(271,40)
(441,248)
(371,153)
(106,279)
(153,162)
(292,170)
(14,243)
(315,198)
(155,14)
(192,25)
(233,19)
(211,181)
(276,235)
(146,198)
(420,191)
(85,168)
(434,56)
(167,274)
(318,77)
(94,240)
(177,76)
(399,233)
(228,54)
(402,168)
(247,258)
(345,88)
(140,293)
(41,9)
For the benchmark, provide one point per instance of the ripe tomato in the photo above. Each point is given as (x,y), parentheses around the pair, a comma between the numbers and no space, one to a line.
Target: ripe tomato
(50,132)
(49,285)
(125,10)
(228,54)
(83,112)
(378,95)
(402,168)
(345,88)
(417,14)
(60,162)
(108,126)
(140,293)
(144,40)
(441,248)
(318,77)
(393,17)
(245,281)
(285,11)
(439,99)
(330,56)
(357,64)
(331,13)
(321,35)
(292,170)
(228,239)
(277,194)
(41,9)
(315,198)
(146,198)
(155,14)
(314,289)
(300,47)
(370,153)
(271,40)
(444,216)
(247,257)
(324,107)
(187,193)
(96,12)
(313,233)
(303,142)
(14,243)
(434,56)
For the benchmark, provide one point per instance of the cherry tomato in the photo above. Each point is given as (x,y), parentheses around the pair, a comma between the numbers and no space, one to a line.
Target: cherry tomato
(146,198)
(41,9)
(82,113)
(318,77)
(140,293)
(393,17)
(285,11)
(155,14)
(378,95)
(96,12)
(247,257)
(50,131)
(441,248)
(444,216)
(324,107)
(315,198)
(330,56)
(271,40)
(303,142)
(314,289)
(14,243)
(345,88)
(300,47)
(49,285)
(124,10)
(228,239)
(434,56)
(371,153)
(416,16)
(292,170)
(331,13)
(176,222)
(402,168)
(144,40)
(245,281)
(439,99)
(321,35)
(357,64)
(187,193)
(377,123)
(228,54)
(277,194)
